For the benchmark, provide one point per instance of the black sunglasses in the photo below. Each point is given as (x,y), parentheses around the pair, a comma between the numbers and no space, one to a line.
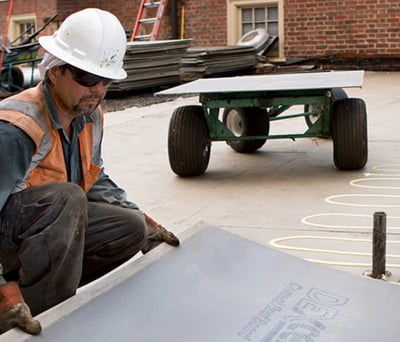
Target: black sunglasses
(85,78)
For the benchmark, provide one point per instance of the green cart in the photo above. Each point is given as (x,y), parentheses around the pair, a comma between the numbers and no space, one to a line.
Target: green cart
(239,111)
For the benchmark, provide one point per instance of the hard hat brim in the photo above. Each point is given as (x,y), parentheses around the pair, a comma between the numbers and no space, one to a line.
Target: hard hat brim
(48,43)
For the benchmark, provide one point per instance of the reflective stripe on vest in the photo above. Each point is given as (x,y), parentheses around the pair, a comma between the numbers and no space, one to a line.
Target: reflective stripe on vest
(28,112)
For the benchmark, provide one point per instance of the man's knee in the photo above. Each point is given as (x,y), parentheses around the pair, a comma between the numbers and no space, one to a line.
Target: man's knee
(134,232)
(123,229)
(69,198)
(47,208)
(69,193)
(140,226)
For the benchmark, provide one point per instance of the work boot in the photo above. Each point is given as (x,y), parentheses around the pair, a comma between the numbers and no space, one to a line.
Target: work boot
(14,312)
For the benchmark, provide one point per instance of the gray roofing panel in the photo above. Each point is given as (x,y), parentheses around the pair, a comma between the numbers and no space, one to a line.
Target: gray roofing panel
(270,82)
(218,286)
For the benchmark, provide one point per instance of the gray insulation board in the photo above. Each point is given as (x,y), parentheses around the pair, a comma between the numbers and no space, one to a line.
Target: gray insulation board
(218,286)
(272,82)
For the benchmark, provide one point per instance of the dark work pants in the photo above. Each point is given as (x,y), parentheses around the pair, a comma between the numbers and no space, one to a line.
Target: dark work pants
(55,240)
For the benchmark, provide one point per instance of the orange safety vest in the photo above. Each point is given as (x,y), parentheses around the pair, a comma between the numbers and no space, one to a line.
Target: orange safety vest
(28,111)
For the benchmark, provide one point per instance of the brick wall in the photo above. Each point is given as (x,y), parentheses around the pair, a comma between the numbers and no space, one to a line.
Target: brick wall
(347,28)
(43,9)
(125,10)
(312,27)
(205,22)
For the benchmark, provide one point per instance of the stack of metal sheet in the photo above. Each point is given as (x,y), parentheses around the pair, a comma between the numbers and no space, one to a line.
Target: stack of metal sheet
(202,62)
(168,62)
(151,64)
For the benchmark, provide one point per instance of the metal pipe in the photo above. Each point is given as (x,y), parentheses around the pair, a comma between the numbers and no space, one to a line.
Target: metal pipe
(379,245)
(174,19)
(183,22)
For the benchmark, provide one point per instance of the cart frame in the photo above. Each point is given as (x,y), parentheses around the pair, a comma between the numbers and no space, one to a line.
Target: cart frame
(276,104)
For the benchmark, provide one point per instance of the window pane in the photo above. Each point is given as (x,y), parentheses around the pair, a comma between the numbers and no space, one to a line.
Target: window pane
(272,29)
(246,28)
(25,29)
(273,13)
(259,14)
(28,27)
(247,14)
(260,25)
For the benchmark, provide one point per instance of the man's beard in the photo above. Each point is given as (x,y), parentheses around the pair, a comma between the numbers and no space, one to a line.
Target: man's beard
(88,109)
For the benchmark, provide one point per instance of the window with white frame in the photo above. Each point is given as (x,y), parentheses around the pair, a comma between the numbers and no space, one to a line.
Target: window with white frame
(247,15)
(260,17)
(21,27)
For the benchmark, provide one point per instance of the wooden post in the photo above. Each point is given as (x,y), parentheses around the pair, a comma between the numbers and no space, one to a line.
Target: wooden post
(379,245)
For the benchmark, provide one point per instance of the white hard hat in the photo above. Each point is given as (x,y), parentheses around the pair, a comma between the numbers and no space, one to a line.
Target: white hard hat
(92,40)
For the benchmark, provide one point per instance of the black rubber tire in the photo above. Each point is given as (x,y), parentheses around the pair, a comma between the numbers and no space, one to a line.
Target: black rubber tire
(349,134)
(336,94)
(189,145)
(246,122)
(13,83)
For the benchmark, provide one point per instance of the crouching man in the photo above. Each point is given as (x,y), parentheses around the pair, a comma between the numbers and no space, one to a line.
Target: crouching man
(63,221)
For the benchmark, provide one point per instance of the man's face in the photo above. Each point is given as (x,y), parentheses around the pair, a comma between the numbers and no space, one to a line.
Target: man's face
(88,103)
(75,98)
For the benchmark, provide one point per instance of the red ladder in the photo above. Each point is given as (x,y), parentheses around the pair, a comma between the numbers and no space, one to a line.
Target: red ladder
(148,21)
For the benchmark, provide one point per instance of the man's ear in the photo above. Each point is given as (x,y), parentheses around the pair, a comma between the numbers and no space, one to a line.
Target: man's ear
(52,73)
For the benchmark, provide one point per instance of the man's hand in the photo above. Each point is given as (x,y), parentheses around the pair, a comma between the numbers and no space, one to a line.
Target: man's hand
(14,312)
(157,235)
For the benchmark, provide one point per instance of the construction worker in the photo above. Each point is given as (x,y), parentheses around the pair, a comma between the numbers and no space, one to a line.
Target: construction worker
(64,222)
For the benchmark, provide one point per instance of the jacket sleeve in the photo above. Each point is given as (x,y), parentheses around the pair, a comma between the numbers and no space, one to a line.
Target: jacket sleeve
(16,151)
(105,190)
